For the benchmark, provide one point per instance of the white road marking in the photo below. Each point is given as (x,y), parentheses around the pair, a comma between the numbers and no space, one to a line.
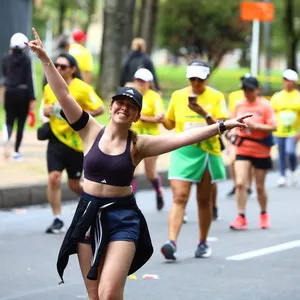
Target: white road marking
(212,239)
(265,251)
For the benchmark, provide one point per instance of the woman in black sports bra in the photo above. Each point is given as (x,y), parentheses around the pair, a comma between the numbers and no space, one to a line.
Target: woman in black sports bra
(108,232)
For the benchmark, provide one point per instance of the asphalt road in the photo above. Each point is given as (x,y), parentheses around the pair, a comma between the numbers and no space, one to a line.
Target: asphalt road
(251,265)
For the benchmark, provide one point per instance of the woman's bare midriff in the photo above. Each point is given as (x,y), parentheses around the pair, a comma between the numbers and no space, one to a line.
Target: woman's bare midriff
(105,190)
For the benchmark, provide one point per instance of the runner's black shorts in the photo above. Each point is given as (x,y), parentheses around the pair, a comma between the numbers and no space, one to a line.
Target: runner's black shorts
(61,157)
(258,163)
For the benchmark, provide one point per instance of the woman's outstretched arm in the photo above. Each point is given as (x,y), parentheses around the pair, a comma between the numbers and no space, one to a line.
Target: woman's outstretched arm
(58,85)
(156,145)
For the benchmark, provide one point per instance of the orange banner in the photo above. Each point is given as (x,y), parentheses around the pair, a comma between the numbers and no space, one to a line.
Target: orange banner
(261,11)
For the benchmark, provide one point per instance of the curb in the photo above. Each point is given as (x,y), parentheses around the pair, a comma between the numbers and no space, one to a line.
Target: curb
(12,197)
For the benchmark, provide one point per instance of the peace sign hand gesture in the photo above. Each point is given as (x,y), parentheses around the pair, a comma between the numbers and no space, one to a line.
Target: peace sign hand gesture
(36,46)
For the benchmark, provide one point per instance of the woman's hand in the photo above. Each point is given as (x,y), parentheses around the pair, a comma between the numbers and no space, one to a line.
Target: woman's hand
(36,46)
(237,122)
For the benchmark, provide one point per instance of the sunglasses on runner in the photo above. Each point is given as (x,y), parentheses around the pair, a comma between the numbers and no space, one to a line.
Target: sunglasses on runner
(63,67)
(196,78)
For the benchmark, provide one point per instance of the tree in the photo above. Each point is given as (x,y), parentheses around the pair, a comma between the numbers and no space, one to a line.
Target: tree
(147,22)
(292,33)
(204,28)
(76,12)
(117,35)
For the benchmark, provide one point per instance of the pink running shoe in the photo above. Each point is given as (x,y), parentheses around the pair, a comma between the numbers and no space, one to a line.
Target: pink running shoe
(264,221)
(240,223)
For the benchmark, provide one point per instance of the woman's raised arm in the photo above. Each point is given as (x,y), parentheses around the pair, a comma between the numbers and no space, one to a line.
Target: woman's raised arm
(58,85)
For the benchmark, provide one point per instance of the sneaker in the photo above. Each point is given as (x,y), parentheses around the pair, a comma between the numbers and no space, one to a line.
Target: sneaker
(231,193)
(168,250)
(159,196)
(240,223)
(215,214)
(56,227)
(17,156)
(264,221)
(185,218)
(159,201)
(281,181)
(294,178)
(203,250)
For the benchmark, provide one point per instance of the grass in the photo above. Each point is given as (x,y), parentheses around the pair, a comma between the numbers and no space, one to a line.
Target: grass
(172,78)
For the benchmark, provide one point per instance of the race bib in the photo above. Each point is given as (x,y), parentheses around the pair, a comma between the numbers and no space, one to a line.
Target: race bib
(56,111)
(190,125)
(287,118)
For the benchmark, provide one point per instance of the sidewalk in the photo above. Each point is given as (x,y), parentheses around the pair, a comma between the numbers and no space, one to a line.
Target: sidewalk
(25,182)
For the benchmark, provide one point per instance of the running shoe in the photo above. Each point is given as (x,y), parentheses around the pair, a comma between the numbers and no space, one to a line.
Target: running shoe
(231,192)
(160,196)
(169,250)
(159,201)
(203,250)
(215,214)
(17,156)
(56,227)
(281,181)
(185,218)
(240,223)
(264,221)
(294,178)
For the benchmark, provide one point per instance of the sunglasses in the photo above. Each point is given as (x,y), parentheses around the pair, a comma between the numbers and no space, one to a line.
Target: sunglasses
(196,78)
(63,67)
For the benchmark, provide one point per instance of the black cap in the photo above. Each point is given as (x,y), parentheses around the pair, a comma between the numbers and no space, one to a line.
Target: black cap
(132,93)
(250,82)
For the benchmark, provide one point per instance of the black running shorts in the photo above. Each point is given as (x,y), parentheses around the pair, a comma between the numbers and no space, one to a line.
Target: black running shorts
(61,157)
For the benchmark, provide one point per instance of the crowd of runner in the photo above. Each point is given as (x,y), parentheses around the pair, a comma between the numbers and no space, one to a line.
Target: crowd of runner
(246,126)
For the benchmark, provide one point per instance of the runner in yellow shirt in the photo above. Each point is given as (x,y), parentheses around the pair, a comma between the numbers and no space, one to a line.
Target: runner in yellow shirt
(82,55)
(286,104)
(64,150)
(151,116)
(194,106)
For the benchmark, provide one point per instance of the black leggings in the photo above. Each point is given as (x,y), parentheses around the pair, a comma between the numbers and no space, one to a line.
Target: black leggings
(16,108)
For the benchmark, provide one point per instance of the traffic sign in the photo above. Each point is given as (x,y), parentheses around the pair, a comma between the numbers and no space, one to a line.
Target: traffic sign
(261,11)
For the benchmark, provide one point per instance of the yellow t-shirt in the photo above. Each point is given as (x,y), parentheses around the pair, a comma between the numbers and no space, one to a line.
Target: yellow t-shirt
(152,106)
(86,97)
(287,109)
(83,56)
(233,99)
(212,101)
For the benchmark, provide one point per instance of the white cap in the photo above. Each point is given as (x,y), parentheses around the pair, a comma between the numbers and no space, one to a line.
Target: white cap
(143,74)
(18,40)
(290,75)
(201,72)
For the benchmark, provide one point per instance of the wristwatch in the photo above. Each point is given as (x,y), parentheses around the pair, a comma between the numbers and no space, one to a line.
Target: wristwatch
(222,127)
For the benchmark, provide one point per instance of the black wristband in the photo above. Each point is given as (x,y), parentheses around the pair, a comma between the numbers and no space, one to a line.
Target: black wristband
(222,127)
